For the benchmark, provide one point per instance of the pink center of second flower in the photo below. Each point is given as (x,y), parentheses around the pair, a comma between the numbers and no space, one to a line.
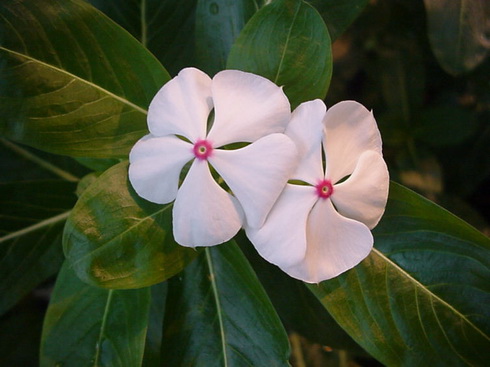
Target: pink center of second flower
(202,149)
(324,189)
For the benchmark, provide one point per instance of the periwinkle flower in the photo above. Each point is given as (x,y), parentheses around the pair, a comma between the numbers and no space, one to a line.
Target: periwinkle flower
(320,225)
(190,119)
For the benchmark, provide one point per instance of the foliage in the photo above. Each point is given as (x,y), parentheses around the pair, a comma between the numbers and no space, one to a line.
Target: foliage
(76,78)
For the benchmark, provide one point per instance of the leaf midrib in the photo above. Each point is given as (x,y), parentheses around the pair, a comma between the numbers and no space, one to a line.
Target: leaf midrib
(39,161)
(419,285)
(98,346)
(35,227)
(286,44)
(143,22)
(214,288)
(87,82)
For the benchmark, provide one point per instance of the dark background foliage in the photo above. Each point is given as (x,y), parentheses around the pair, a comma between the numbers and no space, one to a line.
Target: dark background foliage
(435,124)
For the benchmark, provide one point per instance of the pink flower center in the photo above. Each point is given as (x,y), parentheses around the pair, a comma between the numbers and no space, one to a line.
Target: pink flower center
(324,189)
(202,149)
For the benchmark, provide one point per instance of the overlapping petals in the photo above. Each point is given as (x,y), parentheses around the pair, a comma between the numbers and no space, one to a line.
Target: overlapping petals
(336,206)
(247,108)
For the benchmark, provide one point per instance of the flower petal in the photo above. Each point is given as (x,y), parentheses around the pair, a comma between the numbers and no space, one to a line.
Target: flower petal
(155,165)
(204,214)
(350,130)
(257,173)
(334,244)
(182,106)
(282,238)
(364,194)
(306,130)
(247,107)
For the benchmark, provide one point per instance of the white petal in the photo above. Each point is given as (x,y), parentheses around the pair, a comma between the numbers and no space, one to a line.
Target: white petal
(282,238)
(334,244)
(257,173)
(350,130)
(363,195)
(306,130)
(182,106)
(155,165)
(204,214)
(247,107)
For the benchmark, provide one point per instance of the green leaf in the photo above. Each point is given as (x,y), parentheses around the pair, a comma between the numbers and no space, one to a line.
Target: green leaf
(288,43)
(302,313)
(218,23)
(339,15)
(166,28)
(32,214)
(89,326)
(421,297)
(115,239)
(458,32)
(73,82)
(219,315)
(154,335)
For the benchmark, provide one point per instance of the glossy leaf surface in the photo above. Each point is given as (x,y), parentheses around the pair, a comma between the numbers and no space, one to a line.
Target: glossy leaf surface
(339,15)
(421,297)
(90,326)
(299,310)
(217,314)
(73,82)
(218,23)
(115,239)
(288,43)
(459,32)
(166,28)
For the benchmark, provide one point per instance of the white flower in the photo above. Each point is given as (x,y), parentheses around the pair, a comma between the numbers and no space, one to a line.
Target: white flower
(247,108)
(321,227)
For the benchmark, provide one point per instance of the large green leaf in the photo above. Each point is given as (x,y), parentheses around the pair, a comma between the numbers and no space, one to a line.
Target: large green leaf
(26,203)
(339,15)
(154,335)
(29,257)
(33,209)
(288,43)
(73,82)
(115,239)
(299,310)
(218,23)
(217,314)
(90,326)
(166,28)
(458,32)
(421,298)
